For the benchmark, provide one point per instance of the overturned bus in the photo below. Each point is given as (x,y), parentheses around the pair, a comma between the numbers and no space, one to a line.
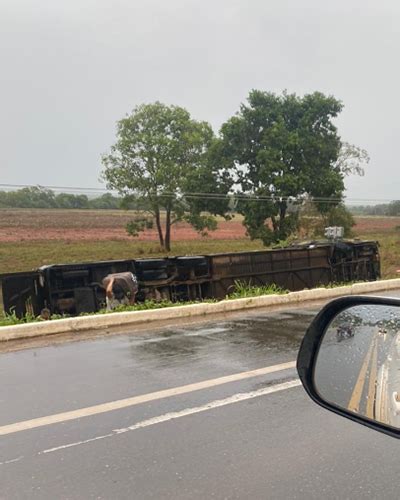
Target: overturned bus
(77,288)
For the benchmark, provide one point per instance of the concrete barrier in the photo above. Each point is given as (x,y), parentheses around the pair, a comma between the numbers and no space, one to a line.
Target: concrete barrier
(104,321)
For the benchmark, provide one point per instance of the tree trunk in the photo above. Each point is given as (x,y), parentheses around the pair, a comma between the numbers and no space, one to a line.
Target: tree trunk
(159,229)
(168,230)
(274,224)
(282,215)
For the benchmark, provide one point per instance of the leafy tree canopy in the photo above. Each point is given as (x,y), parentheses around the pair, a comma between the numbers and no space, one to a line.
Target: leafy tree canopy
(66,200)
(40,197)
(283,148)
(29,197)
(352,159)
(161,160)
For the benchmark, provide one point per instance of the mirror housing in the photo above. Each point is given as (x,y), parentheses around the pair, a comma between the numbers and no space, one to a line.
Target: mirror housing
(311,347)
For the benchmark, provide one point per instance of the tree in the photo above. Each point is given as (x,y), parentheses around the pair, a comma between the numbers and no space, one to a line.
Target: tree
(393,208)
(352,159)
(105,202)
(339,215)
(161,161)
(284,148)
(67,200)
(313,223)
(39,197)
(30,197)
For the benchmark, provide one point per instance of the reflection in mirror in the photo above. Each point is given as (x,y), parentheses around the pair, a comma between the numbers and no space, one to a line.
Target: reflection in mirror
(358,363)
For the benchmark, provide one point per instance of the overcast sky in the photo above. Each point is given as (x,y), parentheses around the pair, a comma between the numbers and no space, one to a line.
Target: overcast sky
(70,69)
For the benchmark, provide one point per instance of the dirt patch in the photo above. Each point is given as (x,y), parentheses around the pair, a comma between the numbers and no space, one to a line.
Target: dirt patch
(185,233)
(94,225)
(18,225)
(376,224)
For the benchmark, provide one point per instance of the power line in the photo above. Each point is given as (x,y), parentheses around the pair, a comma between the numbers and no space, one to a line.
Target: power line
(209,196)
(64,188)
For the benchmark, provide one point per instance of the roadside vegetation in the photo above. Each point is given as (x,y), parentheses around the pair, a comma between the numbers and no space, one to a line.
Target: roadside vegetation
(11,319)
(241,290)
(244,290)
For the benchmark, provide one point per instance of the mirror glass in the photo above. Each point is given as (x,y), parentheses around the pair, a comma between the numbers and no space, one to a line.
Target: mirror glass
(358,362)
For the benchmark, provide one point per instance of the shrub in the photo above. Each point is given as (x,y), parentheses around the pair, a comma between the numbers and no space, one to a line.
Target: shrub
(243,290)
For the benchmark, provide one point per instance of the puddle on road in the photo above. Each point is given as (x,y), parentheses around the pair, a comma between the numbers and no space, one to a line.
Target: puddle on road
(246,338)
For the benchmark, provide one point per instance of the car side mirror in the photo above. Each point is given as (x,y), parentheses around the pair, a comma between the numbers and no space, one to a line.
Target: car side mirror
(349,361)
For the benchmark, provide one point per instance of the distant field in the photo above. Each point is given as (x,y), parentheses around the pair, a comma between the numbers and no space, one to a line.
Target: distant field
(28,255)
(30,238)
(386,230)
(366,225)
(94,225)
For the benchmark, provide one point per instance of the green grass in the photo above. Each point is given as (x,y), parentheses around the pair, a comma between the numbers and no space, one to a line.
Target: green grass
(245,290)
(242,290)
(390,253)
(146,306)
(27,255)
(11,319)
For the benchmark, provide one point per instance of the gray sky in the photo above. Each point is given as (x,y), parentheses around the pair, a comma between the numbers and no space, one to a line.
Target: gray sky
(70,69)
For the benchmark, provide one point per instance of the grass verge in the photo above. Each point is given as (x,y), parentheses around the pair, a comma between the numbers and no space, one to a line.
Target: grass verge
(244,290)
(27,255)
(241,291)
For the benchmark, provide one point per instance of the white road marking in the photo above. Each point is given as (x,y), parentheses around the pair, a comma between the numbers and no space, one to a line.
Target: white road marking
(12,461)
(236,398)
(136,400)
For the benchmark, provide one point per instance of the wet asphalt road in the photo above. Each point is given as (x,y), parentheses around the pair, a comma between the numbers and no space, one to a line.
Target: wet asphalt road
(274,443)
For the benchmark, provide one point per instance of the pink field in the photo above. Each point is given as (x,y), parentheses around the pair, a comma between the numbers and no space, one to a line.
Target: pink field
(98,225)
(29,225)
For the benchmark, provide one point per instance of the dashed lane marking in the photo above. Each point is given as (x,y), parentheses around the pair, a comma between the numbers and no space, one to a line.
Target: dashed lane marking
(140,399)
